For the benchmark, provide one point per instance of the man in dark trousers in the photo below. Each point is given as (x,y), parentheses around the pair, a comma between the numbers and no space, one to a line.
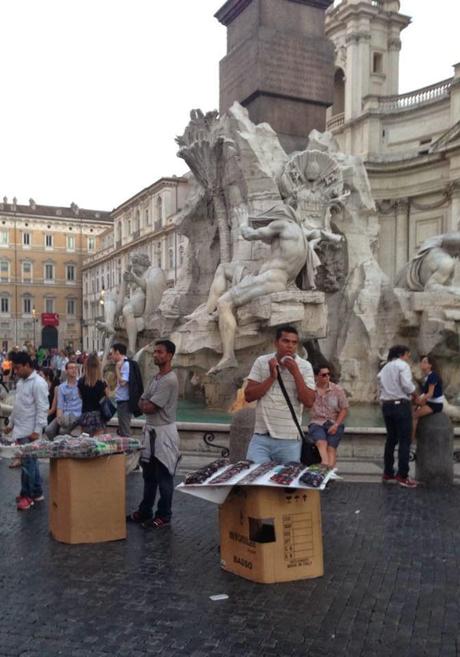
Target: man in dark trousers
(396,391)
(160,455)
(118,356)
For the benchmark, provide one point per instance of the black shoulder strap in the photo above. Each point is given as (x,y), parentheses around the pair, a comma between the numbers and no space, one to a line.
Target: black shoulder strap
(289,403)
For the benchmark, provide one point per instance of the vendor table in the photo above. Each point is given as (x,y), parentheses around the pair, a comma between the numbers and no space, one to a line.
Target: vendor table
(87,499)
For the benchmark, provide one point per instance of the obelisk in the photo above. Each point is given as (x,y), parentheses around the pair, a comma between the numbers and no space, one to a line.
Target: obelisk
(279,64)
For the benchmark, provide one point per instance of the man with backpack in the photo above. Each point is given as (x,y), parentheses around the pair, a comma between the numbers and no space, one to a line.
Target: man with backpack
(129,387)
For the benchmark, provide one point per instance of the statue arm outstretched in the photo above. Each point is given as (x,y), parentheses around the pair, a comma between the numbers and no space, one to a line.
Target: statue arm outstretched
(265,234)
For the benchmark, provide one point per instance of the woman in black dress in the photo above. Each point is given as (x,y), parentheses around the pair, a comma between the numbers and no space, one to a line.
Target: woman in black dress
(92,389)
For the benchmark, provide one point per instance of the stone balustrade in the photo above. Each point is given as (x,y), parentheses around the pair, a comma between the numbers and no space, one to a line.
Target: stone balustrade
(336,121)
(426,95)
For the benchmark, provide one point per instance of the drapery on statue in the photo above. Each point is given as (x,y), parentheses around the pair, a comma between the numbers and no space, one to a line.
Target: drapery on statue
(139,296)
(290,252)
(433,267)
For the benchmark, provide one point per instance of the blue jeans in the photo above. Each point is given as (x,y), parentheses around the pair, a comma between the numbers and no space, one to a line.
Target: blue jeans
(398,422)
(31,481)
(263,448)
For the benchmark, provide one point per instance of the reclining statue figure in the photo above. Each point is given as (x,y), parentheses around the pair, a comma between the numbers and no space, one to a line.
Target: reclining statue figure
(290,253)
(433,267)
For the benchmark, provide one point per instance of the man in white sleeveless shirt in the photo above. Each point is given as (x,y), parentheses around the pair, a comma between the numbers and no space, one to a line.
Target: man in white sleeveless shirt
(276,437)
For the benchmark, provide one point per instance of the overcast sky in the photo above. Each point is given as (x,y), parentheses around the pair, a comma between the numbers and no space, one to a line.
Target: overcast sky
(94,91)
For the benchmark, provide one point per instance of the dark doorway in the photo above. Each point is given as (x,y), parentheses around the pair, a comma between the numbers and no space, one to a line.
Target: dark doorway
(49,337)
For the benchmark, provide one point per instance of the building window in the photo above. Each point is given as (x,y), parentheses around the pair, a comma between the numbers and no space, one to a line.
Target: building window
(49,305)
(4,304)
(27,272)
(48,241)
(181,256)
(71,307)
(171,258)
(129,227)
(49,272)
(4,238)
(26,239)
(27,305)
(91,243)
(159,208)
(70,273)
(4,271)
(147,217)
(70,242)
(377,62)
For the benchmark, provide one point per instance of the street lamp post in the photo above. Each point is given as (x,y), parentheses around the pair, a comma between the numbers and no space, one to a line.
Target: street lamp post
(34,319)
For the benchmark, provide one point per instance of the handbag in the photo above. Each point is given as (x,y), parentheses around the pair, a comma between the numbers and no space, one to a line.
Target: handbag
(309,454)
(107,408)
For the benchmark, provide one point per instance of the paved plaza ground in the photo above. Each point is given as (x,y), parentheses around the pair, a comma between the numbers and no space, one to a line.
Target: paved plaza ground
(391,584)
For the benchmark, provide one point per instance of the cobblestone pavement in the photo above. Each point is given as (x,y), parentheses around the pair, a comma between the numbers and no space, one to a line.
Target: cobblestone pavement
(391,584)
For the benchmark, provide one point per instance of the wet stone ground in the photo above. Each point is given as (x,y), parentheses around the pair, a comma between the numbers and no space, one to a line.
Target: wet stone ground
(391,584)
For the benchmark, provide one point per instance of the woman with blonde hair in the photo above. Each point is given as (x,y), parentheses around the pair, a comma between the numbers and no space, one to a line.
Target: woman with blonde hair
(92,389)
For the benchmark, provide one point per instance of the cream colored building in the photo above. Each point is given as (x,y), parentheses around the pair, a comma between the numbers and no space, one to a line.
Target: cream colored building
(145,223)
(41,253)
(410,142)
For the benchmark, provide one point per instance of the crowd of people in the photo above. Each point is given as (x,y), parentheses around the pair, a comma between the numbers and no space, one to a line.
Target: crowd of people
(59,392)
(57,400)
(282,384)
(43,360)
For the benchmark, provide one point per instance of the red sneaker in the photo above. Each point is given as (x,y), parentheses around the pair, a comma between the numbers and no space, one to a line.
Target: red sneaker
(25,503)
(406,482)
(388,479)
(155,523)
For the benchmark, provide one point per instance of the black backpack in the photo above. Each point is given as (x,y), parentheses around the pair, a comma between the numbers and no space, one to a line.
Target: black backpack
(135,386)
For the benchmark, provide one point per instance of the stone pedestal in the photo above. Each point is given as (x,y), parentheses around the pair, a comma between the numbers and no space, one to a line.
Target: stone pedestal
(279,65)
(434,463)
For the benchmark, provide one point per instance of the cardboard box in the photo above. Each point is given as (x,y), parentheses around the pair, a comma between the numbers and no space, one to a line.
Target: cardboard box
(87,499)
(271,535)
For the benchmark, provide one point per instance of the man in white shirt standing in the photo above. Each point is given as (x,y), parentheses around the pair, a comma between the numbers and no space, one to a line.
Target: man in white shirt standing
(276,437)
(118,356)
(27,421)
(396,391)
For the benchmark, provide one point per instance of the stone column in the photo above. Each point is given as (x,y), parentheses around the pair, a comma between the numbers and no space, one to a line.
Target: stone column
(392,69)
(279,65)
(353,94)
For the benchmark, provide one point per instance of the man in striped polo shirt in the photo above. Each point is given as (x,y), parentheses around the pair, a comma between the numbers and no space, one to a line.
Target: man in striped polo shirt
(275,435)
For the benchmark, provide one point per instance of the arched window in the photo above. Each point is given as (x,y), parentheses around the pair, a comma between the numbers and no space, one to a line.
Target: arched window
(339,93)
(159,209)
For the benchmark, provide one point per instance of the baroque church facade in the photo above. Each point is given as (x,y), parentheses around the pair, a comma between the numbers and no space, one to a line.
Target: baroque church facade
(410,143)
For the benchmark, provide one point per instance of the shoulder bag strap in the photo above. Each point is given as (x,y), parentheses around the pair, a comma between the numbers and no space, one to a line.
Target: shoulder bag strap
(289,403)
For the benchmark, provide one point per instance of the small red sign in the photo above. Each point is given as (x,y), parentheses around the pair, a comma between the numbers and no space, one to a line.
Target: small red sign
(50,319)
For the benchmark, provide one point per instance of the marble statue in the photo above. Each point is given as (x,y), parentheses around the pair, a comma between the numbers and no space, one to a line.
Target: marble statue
(273,238)
(433,266)
(141,290)
(290,251)
(138,298)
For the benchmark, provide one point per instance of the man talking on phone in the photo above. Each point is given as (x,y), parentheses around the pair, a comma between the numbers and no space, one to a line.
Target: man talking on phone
(275,435)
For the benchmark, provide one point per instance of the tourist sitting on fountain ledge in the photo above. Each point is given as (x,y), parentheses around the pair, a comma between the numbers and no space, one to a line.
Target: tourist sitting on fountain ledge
(327,415)
(431,400)
(275,436)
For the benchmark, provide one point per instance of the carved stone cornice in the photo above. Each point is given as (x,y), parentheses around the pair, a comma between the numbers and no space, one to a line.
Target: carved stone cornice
(394,43)
(233,8)
(356,37)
